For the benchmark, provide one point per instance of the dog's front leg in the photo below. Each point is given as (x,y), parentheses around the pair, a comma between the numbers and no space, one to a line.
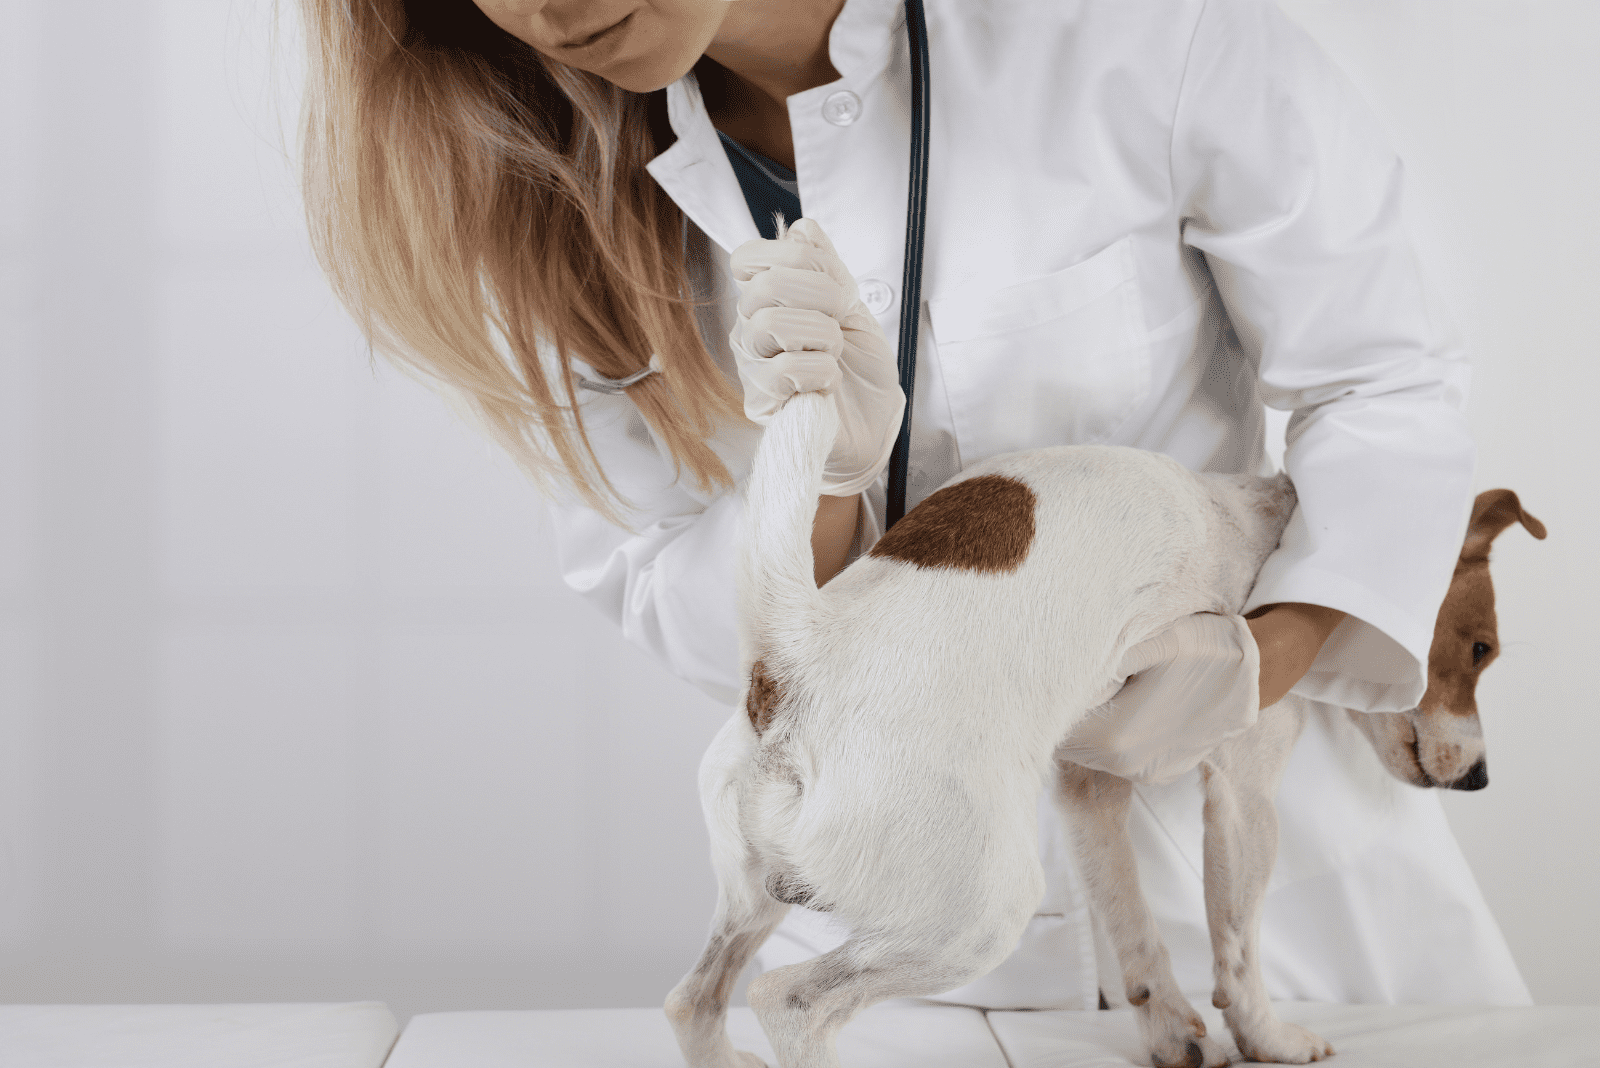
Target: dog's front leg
(1241,844)
(1095,805)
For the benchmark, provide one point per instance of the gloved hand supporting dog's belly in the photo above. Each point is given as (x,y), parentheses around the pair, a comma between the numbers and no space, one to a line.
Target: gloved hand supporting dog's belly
(1188,689)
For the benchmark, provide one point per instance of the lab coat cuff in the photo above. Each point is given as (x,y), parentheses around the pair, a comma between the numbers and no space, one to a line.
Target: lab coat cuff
(1376,658)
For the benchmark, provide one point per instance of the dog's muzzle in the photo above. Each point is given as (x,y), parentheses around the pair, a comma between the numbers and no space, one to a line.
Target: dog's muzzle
(1476,778)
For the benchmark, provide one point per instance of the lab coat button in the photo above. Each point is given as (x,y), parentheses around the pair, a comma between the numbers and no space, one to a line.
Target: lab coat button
(876,295)
(842,108)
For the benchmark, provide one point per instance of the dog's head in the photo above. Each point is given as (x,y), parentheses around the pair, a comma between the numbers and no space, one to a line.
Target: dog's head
(1440,742)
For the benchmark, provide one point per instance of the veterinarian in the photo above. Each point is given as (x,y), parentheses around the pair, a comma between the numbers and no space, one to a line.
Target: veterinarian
(1147,219)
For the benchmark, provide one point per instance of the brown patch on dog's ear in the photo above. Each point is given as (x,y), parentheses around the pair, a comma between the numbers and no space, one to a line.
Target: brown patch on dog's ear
(982,524)
(1492,512)
(1466,617)
(761,699)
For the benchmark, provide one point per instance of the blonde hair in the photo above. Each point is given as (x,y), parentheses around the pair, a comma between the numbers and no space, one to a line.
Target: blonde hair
(485,215)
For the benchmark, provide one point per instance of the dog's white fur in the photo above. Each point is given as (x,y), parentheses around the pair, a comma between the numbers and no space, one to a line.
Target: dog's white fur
(896,783)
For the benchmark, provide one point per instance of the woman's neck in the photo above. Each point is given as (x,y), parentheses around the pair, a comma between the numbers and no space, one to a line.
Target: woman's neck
(765,52)
(776,48)
(750,118)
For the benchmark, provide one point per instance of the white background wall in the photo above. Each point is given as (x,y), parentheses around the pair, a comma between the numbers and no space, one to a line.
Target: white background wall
(292,704)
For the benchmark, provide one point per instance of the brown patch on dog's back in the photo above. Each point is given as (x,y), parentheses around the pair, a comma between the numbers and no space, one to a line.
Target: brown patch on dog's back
(761,699)
(981,524)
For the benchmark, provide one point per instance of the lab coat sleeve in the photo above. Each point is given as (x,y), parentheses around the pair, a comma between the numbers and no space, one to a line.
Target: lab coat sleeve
(669,582)
(1288,187)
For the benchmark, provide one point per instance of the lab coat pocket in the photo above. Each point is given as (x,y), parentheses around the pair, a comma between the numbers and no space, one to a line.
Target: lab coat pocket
(1058,360)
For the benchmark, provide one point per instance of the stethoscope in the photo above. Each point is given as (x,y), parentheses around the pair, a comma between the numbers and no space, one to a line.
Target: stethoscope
(911,282)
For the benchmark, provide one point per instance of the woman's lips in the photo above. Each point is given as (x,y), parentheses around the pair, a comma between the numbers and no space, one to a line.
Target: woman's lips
(587,40)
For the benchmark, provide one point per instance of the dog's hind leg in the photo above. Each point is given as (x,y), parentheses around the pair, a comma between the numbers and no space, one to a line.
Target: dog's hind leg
(1095,805)
(746,914)
(928,913)
(1240,779)
(698,1005)
(802,1006)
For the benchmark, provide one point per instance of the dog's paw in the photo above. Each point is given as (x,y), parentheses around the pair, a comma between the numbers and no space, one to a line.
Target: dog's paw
(1279,1042)
(1175,1034)
(733,1058)
(1192,1051)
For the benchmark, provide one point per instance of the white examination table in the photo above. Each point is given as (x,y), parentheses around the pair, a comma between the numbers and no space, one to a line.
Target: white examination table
(917,1034)
(897,1034)
(355,1035)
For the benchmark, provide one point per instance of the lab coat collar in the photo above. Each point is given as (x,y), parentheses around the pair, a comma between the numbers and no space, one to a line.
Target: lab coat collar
(695,170)
(859,35)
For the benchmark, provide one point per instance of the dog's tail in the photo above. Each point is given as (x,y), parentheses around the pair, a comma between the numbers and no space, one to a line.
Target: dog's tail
(779,592)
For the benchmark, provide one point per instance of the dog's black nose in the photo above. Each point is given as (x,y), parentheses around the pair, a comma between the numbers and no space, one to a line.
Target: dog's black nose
(1476,778)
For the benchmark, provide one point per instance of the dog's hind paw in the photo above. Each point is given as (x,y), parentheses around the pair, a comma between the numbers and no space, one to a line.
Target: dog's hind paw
(1280,1042)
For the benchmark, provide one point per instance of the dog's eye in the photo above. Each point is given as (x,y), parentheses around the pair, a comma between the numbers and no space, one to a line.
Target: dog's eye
(1479,651)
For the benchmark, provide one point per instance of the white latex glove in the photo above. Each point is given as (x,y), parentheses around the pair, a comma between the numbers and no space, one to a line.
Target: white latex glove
(802,328)
(1188,689)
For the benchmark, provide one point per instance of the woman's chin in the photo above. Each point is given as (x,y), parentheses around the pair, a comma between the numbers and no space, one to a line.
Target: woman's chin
(648,73)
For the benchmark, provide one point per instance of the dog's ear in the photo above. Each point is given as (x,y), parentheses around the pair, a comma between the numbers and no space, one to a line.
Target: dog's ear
(1492,512)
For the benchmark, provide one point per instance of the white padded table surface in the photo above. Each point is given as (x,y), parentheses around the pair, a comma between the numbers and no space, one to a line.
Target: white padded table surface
(915,1034)
(894,1034)
(1363,1036)
(354,1035)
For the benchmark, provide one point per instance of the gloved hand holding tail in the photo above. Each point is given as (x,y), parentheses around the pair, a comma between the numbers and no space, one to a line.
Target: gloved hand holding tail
(802,328)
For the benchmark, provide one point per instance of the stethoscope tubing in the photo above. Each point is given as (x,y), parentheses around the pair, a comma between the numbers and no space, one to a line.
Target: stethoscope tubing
(911,282)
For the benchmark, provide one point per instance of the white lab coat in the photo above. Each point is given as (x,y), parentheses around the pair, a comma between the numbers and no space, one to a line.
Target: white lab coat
(1146,219)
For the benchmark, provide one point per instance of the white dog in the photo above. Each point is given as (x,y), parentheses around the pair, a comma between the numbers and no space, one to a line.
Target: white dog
(900,722)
